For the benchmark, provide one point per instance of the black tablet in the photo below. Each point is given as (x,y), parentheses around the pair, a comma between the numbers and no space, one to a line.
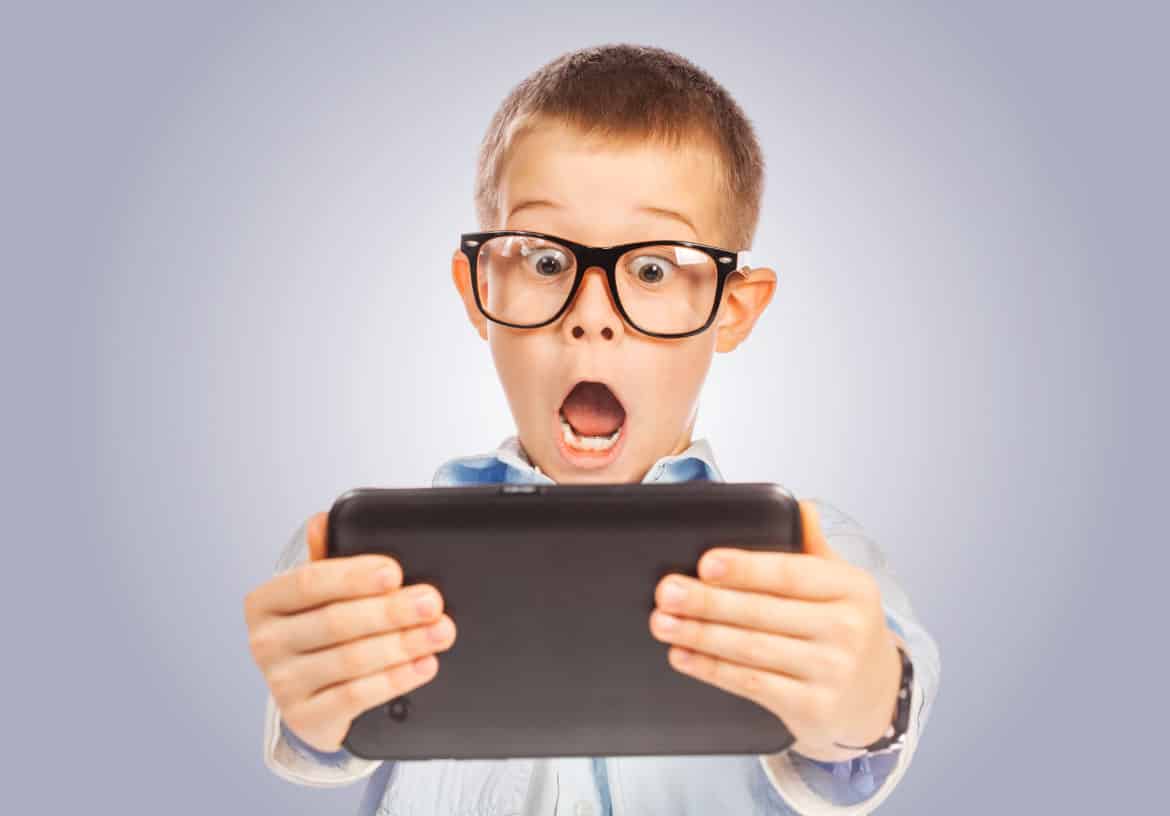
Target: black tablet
(551,589)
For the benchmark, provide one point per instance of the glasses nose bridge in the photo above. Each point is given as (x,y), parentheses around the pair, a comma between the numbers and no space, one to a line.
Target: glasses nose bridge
(603,258)
(589,257)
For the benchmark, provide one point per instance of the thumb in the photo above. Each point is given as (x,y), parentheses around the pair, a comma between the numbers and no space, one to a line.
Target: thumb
(813,539)
(316,534)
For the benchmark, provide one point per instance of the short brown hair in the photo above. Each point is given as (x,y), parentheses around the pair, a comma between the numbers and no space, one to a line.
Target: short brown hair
(623,92)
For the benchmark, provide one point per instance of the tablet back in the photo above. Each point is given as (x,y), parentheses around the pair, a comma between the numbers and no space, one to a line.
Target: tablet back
(551,589)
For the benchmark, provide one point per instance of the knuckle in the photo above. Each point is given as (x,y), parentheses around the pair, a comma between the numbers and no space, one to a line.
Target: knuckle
(352,659)
(699,598)
(850,623)
(355,693)
(411,644)
(263,644)
(834,664)
(306,581)
(756,649)
(282,684)
(250,605)
(391,610)
(295,718)
(694,635)
(408,644)
(398,680)
(755,613)
(335,621)
(402,679)
(356,578)
(388,684)
(723,673)
(780,579)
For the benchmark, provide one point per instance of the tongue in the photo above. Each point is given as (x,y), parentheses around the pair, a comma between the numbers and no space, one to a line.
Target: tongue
(593,410)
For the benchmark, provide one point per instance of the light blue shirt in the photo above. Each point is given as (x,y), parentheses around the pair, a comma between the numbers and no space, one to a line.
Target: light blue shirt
(785,783)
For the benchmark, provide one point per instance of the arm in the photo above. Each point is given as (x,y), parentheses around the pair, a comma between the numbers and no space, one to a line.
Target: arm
(285,753)
(810,786)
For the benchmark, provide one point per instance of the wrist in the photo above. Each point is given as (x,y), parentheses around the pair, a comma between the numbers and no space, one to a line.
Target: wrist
(897,720)
(824,753)
(877,723)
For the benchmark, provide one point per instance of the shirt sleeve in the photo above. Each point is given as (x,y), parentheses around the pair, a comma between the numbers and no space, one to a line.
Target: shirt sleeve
(811,787)
(286,754)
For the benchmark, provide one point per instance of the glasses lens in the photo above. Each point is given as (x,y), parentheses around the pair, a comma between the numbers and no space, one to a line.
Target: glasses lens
(522,279)
(667,289)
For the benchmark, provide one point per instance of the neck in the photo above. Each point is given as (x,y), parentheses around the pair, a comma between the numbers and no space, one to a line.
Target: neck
(684,440)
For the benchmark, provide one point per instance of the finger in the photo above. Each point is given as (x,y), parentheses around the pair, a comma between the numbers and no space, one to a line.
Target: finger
(762,650)
(306,674)
(775,692)
(812,539)
(345,701)
(333,579)
(318,536)
(794,617)
(793,575)
(343,621)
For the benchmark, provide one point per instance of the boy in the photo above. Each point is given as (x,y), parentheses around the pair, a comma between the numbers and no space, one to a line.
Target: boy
(603,147)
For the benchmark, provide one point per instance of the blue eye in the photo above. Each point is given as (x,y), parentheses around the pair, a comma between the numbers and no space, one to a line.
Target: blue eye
(547,261)
(653,271)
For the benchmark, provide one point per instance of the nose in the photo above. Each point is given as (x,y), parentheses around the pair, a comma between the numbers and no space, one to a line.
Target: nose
(593,314)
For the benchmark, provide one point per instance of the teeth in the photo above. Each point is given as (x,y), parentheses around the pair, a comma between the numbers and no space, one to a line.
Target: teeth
(589,443)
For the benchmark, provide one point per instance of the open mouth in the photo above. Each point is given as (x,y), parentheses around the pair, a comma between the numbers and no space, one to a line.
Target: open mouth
(592,418)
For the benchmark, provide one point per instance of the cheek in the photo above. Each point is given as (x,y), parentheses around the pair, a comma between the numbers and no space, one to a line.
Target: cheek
(673,378)
(521,364)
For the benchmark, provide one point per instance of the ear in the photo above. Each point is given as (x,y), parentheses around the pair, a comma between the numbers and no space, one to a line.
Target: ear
(461,275)
(744,300)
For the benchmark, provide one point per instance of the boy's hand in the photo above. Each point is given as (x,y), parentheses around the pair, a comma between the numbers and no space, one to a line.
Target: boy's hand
(337,636)
(802,634)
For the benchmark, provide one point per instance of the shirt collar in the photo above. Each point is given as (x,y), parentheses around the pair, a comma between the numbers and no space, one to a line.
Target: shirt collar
(510,463)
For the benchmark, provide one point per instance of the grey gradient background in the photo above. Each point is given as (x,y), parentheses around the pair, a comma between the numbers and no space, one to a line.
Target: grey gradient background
(226,257)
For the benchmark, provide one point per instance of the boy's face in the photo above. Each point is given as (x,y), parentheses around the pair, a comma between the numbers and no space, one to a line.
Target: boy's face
(601,194)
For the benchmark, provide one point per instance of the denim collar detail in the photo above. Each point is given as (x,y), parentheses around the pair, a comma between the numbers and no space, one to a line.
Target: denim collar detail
(510,463)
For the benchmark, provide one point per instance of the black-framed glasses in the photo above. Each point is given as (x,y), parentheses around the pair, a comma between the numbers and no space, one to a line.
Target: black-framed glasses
(669,289)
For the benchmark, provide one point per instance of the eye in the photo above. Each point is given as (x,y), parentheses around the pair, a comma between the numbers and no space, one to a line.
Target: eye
(548,262)
(651,269)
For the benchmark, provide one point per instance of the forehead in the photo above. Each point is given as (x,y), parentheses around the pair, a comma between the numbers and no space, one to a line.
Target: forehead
(603,192)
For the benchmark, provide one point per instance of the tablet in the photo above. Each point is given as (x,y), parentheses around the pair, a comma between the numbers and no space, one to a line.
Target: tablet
(551,589)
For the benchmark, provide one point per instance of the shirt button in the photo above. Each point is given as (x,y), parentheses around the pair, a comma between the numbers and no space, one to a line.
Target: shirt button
(583,808)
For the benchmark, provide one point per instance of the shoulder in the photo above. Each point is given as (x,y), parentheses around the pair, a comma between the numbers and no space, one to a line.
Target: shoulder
(482,468)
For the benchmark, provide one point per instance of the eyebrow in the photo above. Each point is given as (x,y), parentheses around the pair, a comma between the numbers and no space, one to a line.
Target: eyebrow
(540,202)
(671,214)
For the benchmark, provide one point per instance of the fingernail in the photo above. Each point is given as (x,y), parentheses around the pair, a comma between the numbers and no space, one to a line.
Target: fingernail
(673,593)
(715,567)
(666,622)
(426,604)
(385,577)
(425,665)
(437,632)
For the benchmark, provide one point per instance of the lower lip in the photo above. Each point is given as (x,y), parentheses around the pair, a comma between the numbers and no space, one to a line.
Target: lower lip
(588,460)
